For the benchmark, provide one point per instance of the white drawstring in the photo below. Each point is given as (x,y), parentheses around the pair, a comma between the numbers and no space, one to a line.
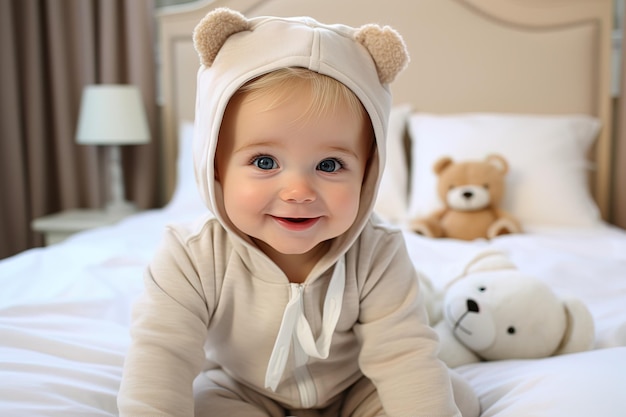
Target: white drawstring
(294,319)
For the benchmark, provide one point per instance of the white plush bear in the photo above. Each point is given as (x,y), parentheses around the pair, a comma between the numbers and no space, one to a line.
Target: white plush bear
(493,312)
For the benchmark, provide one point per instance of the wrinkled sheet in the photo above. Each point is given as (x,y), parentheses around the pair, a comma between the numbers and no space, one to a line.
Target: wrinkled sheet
(65,312)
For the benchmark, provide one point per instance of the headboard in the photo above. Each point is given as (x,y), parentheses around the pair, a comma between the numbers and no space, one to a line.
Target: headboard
(508,56)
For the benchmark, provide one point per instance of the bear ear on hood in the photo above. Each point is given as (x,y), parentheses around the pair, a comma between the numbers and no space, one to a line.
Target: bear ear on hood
(213,30)
(387,49)
(384,44)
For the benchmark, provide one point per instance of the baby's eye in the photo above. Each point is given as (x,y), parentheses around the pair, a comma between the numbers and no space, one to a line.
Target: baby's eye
(264,162)
(329,165)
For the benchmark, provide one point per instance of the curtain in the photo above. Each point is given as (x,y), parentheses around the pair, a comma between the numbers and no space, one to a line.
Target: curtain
(50,50)
(619,177)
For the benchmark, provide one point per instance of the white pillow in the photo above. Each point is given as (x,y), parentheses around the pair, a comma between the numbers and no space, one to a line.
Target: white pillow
(392,199)
(547,181)
(186,194)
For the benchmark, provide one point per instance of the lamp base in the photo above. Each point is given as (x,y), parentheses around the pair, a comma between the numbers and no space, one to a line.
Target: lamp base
(117,203)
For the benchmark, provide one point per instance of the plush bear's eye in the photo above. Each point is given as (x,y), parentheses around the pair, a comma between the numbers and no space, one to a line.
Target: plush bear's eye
(511,330)
(482,289)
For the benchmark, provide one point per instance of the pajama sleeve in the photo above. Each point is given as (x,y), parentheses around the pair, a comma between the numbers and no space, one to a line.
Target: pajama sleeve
(168,331)
(398,349)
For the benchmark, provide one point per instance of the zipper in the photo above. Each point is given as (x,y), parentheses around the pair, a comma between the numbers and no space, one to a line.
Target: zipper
(295,335)
(302,376)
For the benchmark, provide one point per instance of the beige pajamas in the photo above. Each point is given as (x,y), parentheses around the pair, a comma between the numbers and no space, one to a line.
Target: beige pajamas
(229,307)
(217,395)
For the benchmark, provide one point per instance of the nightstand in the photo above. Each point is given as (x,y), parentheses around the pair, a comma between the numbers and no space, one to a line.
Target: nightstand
(57,227)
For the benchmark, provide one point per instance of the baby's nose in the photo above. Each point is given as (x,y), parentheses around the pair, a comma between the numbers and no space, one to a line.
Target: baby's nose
(298,189)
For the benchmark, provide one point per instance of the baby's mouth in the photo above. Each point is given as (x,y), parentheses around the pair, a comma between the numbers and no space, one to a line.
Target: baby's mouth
(297,223)
(296,219)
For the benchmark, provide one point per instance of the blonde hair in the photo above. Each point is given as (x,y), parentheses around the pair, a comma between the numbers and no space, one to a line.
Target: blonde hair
(326,92)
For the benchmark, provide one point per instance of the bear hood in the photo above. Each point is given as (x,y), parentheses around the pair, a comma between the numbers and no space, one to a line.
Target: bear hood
(234,50)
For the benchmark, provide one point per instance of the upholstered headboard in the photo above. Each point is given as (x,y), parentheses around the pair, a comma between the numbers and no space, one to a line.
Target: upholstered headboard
(504,56)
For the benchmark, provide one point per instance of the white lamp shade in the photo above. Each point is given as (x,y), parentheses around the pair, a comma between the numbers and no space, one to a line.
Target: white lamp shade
(112,115)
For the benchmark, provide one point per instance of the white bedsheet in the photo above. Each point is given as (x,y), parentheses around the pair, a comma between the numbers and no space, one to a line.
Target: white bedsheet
(64,314)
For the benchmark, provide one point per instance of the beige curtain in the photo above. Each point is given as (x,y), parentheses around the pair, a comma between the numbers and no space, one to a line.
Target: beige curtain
(619,178)
(50,49)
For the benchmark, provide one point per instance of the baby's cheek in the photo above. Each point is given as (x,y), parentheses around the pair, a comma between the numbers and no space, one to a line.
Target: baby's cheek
(346,204)
(241,201)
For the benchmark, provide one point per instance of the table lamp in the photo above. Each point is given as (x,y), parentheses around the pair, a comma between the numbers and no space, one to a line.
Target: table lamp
(113,115)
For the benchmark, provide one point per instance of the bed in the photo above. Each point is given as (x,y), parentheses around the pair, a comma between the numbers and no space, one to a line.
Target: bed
(528,79)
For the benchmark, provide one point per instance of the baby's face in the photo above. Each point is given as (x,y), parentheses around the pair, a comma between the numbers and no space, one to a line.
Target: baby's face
(291,182)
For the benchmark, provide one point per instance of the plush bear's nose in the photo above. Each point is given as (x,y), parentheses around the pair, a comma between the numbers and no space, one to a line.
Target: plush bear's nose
(468,194)
(472,306)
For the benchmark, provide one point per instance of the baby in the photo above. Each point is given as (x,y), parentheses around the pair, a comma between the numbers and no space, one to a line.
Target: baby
(291,299)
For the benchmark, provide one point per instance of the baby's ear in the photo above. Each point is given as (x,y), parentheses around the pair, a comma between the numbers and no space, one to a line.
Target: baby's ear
(386,47)
(213,30)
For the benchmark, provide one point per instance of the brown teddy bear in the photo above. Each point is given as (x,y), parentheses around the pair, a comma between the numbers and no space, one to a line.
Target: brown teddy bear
(471,192)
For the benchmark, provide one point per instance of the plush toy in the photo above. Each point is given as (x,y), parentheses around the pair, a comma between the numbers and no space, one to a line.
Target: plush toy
(471,192)
(492,311)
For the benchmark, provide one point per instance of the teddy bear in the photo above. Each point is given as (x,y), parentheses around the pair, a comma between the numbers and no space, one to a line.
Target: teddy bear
(493,311)
(471,192)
